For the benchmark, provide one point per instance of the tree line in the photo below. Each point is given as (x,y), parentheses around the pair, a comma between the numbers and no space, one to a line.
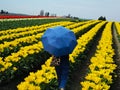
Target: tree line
(102,18)
(3,12)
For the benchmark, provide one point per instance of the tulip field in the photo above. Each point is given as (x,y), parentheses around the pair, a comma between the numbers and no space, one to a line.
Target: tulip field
(22,54)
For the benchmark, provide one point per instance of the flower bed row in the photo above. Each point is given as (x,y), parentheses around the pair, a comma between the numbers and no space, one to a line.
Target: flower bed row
(5,25)
(46,77)
(25,29)
(14,45)
(20,59)
(102,64)
(78,24)
(18,16)
(20,32)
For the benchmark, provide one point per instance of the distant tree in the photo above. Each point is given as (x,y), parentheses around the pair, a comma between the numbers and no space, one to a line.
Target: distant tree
(102,18)
(6,12)
(42,13)
(47,14)
(75,17)
(2,12)
(69,16)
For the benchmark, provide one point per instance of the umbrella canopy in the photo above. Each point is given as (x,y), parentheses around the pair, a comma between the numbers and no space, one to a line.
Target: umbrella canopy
(59,41)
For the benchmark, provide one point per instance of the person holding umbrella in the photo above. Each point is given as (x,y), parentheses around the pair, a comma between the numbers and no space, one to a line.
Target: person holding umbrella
(60,42)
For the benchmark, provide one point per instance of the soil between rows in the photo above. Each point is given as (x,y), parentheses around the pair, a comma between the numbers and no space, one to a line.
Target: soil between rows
(116,81)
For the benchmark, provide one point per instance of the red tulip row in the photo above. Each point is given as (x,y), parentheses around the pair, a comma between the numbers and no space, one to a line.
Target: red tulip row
(18,16)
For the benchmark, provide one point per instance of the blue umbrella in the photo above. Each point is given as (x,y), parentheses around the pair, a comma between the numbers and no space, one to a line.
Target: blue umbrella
(59,41)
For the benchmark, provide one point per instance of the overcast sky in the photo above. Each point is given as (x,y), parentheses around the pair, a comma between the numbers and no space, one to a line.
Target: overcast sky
(90,9)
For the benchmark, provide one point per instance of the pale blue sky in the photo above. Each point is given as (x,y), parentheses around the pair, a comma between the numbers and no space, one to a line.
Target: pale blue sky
(90,9)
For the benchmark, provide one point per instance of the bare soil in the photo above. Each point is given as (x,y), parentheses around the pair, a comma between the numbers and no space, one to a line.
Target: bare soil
(116,81)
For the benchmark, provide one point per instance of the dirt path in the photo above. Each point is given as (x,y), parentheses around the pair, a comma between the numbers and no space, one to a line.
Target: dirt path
(116,84)
(12,85)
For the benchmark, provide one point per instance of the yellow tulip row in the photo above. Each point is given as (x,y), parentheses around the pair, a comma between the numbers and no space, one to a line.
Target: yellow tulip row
(47,73)
(14,43)
(35,38)
(14,57)
(28,39)
(85,26)
(117,24)
(84,39)
(7,62)
(79,24)
(4,65)
(29,31)
(102,64)
(41,27)
(23,52)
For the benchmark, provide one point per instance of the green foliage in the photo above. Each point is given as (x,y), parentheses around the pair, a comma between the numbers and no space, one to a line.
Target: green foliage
(4,25)
(52,85)
(25,65)
(119,38)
